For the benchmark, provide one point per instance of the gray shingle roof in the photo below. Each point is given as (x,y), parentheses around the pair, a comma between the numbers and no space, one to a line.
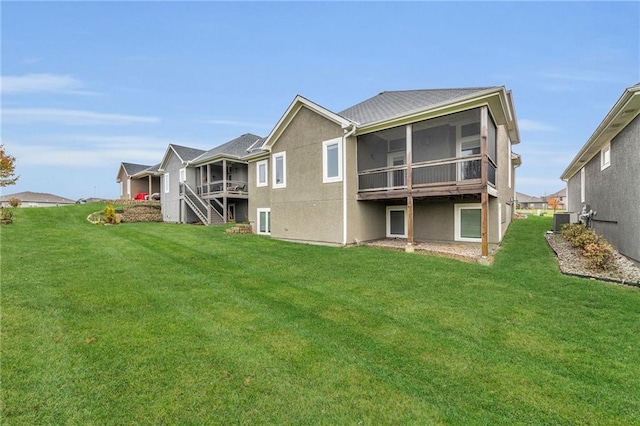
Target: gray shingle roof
(37,197)
(236,148)
(132,169)
(387,105)
(186,153)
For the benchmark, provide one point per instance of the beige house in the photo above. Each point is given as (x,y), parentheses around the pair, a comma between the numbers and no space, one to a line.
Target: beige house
(422,165)
(137,178)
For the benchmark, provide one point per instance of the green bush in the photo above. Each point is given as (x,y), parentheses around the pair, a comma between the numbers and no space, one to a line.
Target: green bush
(110,214)
(6,215)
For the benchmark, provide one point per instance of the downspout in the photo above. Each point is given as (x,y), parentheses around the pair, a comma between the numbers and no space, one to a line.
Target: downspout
(347,134)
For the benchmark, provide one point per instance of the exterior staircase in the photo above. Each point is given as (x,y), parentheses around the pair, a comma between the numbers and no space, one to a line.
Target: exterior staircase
(203,209)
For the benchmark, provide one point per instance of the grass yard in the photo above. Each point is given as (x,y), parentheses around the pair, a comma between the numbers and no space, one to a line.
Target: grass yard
(172,324)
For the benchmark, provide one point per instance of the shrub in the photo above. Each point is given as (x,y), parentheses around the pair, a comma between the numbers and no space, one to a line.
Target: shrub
(577,234)
(6,215)
(598,254)
(14,202)
(110,214)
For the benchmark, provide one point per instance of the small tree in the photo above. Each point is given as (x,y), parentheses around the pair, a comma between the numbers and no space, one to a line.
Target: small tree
(554,203)
(7,168)
(14,202)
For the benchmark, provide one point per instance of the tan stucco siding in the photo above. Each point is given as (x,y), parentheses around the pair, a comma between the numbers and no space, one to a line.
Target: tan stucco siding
(505,194)
(433,220)
(306,209)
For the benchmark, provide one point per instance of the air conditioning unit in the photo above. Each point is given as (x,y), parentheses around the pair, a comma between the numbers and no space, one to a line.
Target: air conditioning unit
(560,219)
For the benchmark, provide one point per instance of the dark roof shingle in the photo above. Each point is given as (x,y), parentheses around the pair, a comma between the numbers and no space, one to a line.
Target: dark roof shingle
(391,104)
(234,148)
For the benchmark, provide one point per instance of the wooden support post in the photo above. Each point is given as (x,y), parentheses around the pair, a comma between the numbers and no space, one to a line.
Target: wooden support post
(224,190)
(409,161)
(484,174)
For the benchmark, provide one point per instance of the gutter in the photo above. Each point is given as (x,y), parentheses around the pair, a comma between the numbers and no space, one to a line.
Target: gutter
(347,134)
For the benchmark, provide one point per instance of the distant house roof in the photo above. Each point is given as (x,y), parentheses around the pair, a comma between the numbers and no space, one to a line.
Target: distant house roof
(623,112)
(561,193)
(149,171)
(391,104)
(37,197)
(524,198)
(236,148)
(132,168)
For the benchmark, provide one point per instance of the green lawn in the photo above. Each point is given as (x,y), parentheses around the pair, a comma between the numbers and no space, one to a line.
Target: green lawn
(172,324)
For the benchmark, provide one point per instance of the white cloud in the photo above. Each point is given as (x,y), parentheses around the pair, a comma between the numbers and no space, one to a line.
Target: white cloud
(70,117)
(42,83)
(533,126)
(44,155)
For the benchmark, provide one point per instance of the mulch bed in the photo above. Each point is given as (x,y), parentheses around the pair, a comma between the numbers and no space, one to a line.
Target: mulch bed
(571,262)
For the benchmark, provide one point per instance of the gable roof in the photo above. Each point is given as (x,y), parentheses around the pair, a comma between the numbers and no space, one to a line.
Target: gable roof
(235,148)
(37,197)
(149,171)
(290,113)
(391,104)
(561,193)
(184,154)
(623,112)
(524,198)
(132,168)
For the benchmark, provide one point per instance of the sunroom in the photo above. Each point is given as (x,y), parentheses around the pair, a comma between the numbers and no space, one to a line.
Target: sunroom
(445,154)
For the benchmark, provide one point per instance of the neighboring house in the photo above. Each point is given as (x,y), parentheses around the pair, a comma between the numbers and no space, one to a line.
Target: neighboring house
(36,199)
(137,178)
(604,177)
(219,192)
(174,172)
(207,186)
(528,202)
(561,196)
(430,165)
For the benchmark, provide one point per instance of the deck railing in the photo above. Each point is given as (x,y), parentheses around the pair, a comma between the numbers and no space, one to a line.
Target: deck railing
(234,187)
(461,170)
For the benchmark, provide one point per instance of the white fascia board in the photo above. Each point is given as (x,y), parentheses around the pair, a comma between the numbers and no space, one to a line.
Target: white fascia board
(290,113)
(166,157)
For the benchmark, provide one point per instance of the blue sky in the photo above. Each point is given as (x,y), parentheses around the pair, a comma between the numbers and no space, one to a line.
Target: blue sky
(87,85)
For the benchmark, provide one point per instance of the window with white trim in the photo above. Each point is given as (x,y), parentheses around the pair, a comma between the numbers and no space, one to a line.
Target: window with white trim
(279,162)
(510,163)
(332,160)
(605,156)
(264,221)
(121,189)
(583,191)
(183,175)
(468,222)
(166,183)
(396,221)
(262,171)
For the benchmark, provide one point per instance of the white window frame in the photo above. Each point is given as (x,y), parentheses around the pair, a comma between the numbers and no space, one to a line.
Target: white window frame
(583,191)
(264,163)
(268,212)
(121,189)
(166,183)
(510,165)
(183,175)
(605,156)
(129,188)
(388,220)
(325,169)
(457,223)
(274,158)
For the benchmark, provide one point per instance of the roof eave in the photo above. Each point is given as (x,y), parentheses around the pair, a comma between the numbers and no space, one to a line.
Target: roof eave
(290,113)
(503,112)
(625,110)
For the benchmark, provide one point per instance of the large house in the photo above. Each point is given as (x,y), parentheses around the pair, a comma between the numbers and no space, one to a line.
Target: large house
(35,199)
(431,165)
(206,186)
(604,177)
